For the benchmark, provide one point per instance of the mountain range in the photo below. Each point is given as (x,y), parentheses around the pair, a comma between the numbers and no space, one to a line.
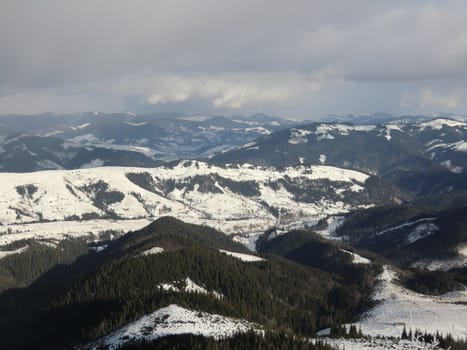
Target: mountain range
(173,231)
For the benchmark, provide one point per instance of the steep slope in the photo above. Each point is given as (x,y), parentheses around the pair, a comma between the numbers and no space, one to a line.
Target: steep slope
(393,304)
(103,291)
(406,235)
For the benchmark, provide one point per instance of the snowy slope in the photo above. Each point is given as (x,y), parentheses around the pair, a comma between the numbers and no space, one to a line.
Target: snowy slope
(399,306)
(243,257)
(172,320)
(64,201)
(378,343)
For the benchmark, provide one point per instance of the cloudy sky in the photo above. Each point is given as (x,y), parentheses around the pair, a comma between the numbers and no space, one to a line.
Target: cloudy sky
(300,59)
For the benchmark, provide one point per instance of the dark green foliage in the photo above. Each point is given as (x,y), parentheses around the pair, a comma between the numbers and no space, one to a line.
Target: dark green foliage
(102,197)
(26,190)
(242,341)
(170,233)
(341,331)
(307,248)
(103,291)
(386,231)
(143,180)
(434,282)
(99,193)
(445,341)
(244,188)
(20,270)
(212,183)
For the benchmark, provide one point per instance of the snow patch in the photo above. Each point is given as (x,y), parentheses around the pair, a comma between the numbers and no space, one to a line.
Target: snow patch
(241,256)
(421,231)
(332,224)
(153,250)
(173,320)
(95,163)
(407,224)
(4,253)
(322,158)
(136,124)
(438,124)
(298,136)
(455,169)
(357,259)
(79,127)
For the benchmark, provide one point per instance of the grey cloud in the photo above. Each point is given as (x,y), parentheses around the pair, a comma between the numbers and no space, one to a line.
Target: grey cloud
(301,57)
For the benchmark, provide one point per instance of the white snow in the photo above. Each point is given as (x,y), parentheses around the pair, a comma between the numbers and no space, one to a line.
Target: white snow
(444,264)
(248,239)
(322,158)
(407,224)
(241,256)
(298,136)
(259,129)
(82,126)
(195,118)
(437,124)
(172,320)
(153,250)
(323,131)
(448,165)
(95,163)
(421,231)
(357,259)
(463,251)
(460,146)
(188,287)
(61,194)
(333,223)
(4,253)
(136,124)
(60,230)
(377,343)
(399,306)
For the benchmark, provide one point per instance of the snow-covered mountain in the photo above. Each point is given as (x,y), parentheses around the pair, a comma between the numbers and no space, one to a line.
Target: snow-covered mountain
(153,137)
(432,152)
(236,198)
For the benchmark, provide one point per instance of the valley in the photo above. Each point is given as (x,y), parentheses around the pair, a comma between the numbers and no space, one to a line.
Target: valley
(301,231)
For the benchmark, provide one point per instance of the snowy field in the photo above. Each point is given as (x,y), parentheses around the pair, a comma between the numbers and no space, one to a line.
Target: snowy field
(60,203)
(399,306)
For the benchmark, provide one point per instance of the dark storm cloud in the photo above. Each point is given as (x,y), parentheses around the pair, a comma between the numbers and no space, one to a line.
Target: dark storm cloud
(296,57)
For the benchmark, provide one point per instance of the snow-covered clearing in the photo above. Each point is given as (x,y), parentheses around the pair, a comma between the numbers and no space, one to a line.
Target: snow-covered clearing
(399,306)
(332,224)
(445,264)
(406,224)
(377,344)
(187,286)
(243,257)
(357,259)
(4,253)
(153,250)
(172,320)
